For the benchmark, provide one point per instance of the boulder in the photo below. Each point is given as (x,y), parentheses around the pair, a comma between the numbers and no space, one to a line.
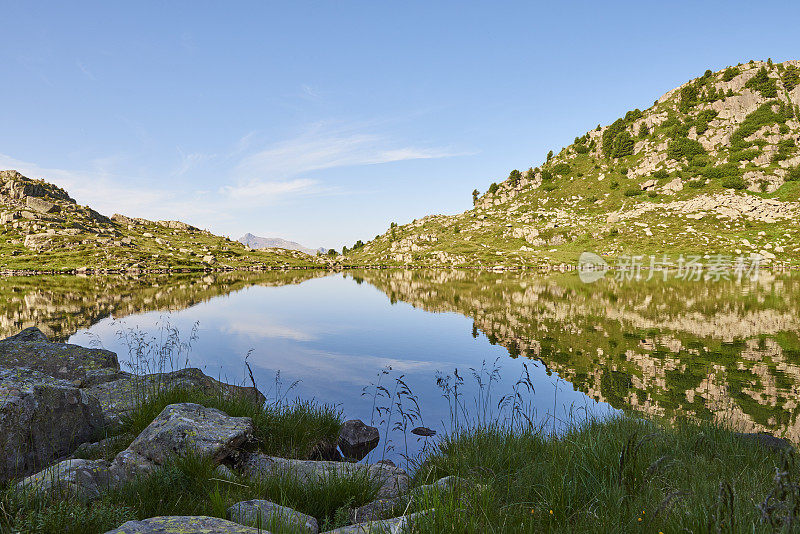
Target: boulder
(385,526)
(38,241)
(381,508)
(357,439)
(392,481)
(181,429)
(119,392)
(261,514)
(184,525)
(41,419)
(41,205)
(30,349)
(77,478)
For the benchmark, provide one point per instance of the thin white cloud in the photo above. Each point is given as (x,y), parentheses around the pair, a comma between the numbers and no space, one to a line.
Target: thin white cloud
(309,92)
(85,70)
(190,161)
(250,175)
(259,192)
(325,148)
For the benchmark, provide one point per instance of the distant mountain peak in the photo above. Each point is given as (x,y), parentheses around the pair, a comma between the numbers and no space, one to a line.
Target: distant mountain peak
(254,241)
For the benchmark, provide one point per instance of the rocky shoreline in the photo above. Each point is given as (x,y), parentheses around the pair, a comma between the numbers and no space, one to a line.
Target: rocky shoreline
(56,399)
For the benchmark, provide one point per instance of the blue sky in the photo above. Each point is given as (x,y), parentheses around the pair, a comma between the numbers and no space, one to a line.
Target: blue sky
(323,122)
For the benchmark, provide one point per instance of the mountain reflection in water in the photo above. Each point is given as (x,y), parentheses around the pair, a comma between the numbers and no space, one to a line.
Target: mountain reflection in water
(716,350)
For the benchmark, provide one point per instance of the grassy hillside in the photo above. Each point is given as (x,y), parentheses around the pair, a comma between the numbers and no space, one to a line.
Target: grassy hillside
(713,167)
(43,229)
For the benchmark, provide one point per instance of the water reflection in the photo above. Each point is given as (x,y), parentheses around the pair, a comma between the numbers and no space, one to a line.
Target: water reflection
(720,350)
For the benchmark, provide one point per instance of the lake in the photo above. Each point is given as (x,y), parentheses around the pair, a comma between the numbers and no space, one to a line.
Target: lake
(722,350)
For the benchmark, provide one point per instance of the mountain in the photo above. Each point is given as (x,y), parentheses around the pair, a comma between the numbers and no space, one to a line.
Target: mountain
(256,242)
(43,229)
(712,167)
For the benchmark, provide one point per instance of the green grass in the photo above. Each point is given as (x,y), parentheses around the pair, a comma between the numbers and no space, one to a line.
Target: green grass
(285,430)
(620,475)
(184,485)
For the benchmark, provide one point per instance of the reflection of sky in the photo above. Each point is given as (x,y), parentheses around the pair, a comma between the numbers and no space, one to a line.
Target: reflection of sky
(335,336)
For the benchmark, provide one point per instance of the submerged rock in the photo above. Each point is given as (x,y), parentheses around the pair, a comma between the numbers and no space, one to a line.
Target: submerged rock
(41,419)
(260,514)
(357,439)
(391,481)
(183,429)
(184,525)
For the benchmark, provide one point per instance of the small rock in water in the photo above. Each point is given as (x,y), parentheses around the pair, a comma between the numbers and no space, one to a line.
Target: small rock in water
(423,431)
(357,439)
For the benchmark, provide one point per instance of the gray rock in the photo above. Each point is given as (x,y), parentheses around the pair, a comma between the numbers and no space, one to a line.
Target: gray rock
(30,349)
(392,481)
(41,205)
(180,429)
(101,449)
(356,439)
(77,478)
(119,392)
(258,513)
(381,508)
(41,419)
(385,526)
(184,525)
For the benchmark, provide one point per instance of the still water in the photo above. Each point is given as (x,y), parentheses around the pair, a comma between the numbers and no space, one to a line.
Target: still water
(723,350)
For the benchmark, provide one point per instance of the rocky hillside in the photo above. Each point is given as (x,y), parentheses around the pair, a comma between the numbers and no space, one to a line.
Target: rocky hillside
(713,167)
(43,229)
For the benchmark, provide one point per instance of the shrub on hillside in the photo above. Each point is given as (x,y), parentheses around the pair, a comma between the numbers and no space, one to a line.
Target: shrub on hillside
(744,155)
(633,192)
(794,174)
(765,115)
(762,83)
(734,182)
(730,73)
(791,77)
(684,148)
(561,169)
(623,145)
(688,97)
(581,149)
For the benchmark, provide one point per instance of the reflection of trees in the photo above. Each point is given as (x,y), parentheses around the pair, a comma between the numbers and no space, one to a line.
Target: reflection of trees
(61,305)
(716,349)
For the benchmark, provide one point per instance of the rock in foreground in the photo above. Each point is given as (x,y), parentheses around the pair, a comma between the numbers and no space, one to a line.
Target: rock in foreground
(41,419)
(260,514)
(392,481)
(185,429)
(184,525)
(30,349)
